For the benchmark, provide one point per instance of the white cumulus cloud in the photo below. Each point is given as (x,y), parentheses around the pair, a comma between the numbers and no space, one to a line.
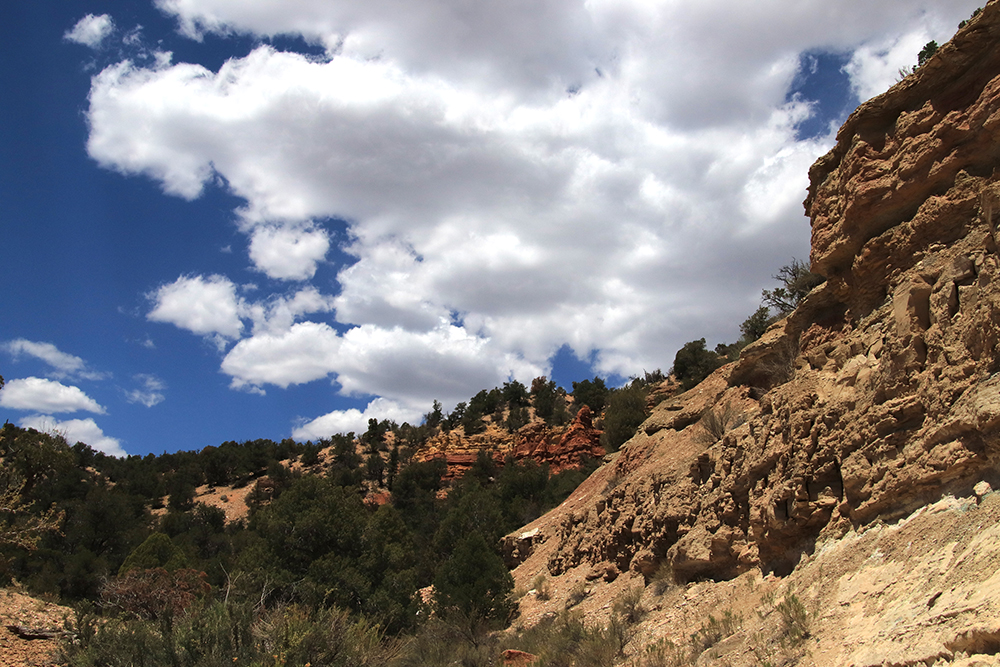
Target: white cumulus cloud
(288,252)
(344,421)
(41,395)
(305,352)
(76,430)
(90,30)
(201,305)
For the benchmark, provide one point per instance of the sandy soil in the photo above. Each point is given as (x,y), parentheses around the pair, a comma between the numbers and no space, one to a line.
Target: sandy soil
(19,609)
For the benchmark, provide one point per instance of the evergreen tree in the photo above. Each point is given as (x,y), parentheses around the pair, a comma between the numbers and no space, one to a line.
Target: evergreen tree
(693,363)
(593,394)
(474,584)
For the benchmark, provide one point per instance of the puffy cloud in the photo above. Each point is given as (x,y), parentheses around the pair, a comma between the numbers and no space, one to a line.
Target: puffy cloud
(288,252)
(76,430)
(874,67)
(306,352)
(280,312)
(618,176)
(63,364)
(90,30)
(414,368)
(43,395)
(344,421)
(150,392)
(201,305)
(520,42)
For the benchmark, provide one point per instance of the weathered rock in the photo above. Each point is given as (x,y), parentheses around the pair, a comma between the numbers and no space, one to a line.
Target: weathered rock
(559,448)
(514,658)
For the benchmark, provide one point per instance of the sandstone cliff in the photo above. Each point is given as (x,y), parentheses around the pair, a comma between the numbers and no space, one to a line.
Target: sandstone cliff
(878,396)
(560,448)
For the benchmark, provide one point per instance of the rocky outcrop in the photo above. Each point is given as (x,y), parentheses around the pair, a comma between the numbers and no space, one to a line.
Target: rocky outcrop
(878,395)
(561,451)
(561,448)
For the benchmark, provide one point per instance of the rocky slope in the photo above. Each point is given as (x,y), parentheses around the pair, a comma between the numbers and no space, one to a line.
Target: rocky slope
(877,397)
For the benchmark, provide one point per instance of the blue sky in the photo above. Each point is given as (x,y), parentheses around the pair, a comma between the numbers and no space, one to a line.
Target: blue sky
(226,220)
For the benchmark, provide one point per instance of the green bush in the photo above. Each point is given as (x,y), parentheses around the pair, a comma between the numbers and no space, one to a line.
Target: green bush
(794,618)
(625,412)
(593,394)
(473,583)
(926,53)
(693,363)
(796,282)
(713,631)
(217,633)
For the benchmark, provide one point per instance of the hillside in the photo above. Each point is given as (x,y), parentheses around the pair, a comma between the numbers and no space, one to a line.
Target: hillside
(863,431)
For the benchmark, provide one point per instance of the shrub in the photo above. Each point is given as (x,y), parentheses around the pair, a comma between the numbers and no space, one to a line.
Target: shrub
(593,394)
(155,594)
(629,607)
(576,594)
(693,363)
(540,584)
(474,583)
(755,326)
(796,282)
(663,578)
(720,419)
(794,618)
(625,412)
(663,653)
(157,551)
(714,630)
(926,53)
(219,633)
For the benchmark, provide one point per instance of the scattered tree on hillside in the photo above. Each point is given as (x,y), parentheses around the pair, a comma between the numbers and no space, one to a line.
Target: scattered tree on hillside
(926,53)
(796,282)
(473,584)
(625,412)
(516,393)
(974,15)
(693,363)
(593,394)
(19,526)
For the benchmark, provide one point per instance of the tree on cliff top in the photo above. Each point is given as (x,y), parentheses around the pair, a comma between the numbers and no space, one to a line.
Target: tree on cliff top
(796,282)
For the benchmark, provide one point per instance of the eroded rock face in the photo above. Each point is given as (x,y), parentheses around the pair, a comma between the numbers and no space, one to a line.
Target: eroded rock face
(559,448)
(580,440)
(877,395)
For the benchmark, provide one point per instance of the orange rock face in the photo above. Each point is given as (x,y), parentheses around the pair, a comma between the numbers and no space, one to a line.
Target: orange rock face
(579,441)
(515,658)
(559,448)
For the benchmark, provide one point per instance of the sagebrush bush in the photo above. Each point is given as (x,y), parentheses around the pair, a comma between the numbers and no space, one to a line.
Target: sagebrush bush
(795,618)
(629,607)
(714,630)
(576,594)
(719,420)
(216,633)
(540,584)
(663,578)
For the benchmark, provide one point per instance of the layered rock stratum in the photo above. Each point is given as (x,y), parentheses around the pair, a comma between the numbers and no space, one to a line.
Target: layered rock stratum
(861,434)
